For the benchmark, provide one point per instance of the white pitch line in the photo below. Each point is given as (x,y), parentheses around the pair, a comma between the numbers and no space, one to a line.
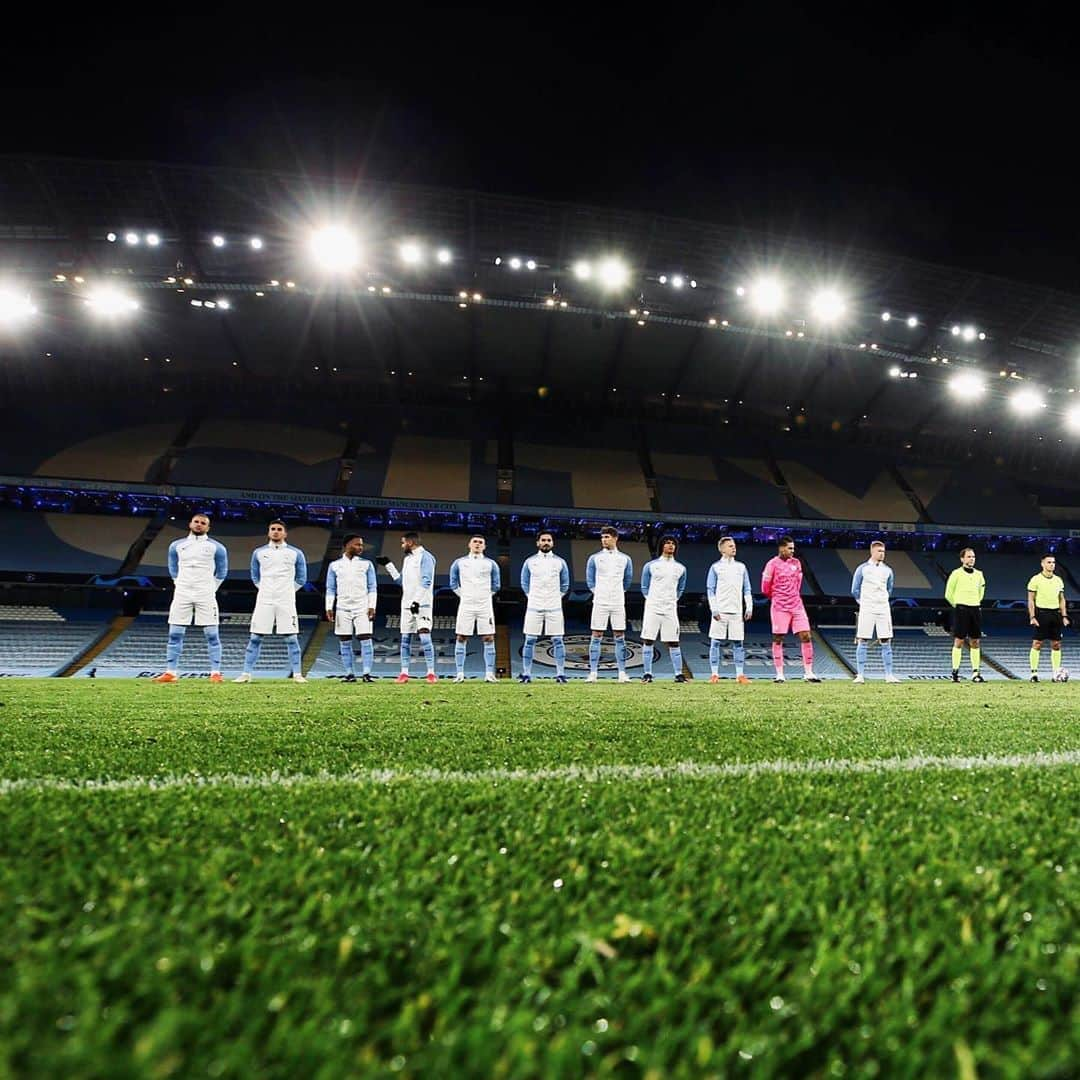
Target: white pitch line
(586,774)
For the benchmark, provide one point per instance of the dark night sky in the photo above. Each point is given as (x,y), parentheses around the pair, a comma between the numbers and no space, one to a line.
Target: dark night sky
(930,133)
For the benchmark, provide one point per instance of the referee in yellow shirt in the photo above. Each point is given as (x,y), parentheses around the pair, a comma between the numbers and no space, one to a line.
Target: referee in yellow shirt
(1046,611)
(964,593)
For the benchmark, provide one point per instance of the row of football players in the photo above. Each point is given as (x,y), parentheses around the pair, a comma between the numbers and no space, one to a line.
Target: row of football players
(198,565)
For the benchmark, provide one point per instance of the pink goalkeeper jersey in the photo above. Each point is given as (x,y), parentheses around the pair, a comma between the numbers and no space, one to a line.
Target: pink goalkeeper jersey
(782,583)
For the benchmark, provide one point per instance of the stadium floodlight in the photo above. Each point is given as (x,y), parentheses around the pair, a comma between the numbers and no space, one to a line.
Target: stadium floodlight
(224,305)
(412,254)
(110,302)
(531,264)
(335,248)
(515,263)
(1027,402)
(767,296)
(582,270)
(967,386)
(217,240)
(256,243)
(828,306)
(131,238)
(894,372)
(912,321)
(613,273)
(15,307)
(956,331)
(1072,419)
(111,237)
(152,239)
(886,316)
(678,281)
(969,333)
(445,256)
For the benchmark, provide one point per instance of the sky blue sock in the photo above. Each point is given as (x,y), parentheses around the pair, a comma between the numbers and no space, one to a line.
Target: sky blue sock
(527,654)
(292,643)
(860,657)
(213,646)
(459,657)
(886,656)
(620,653)
(367,654)
(714,656)
(560,654)
(172,650)
(406,651)
(594,654)
(346,656)
(739,649)
(676,658)
(251,653)
(646,658)
(429,651)
(489,657)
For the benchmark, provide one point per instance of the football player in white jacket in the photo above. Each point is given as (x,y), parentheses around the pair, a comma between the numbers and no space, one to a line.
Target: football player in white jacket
(278,571)
(417,579)
(475,579)
(608,574)
(872,586)
(663,582)
(197,566)
(545,580)
(352,594)
(731,605)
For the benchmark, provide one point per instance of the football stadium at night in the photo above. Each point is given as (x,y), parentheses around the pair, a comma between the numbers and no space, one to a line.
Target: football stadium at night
(384,477)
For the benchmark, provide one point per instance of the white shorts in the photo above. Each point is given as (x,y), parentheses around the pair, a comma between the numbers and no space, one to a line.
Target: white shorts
(275,618)
(348,622)
(604,613)
(414,624)
(539,623)
(183,609)
(662,626)
(871,621)
(727,627)
(475,620)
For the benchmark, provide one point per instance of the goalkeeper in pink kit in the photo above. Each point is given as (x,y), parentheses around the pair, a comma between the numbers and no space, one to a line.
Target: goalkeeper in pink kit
(781,582)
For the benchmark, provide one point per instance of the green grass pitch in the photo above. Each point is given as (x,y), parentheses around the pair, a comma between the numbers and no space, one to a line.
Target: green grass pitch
(331,880)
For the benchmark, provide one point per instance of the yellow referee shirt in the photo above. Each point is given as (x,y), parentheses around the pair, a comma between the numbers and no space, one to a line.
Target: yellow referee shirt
(1047,590)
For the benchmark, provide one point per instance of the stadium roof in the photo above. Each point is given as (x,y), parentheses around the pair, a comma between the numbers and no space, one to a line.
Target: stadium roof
(445,328)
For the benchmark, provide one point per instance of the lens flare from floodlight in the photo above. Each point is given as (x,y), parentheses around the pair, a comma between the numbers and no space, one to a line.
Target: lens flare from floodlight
(967,386)
(1026,402)
(767,296)
(968,333)
(256,243)
(445,256)
(828,306)
(15,308)
(131,238)
(217,240)
(412,254)
(110,302)
(335,248)
(613,273)
(1072,419)
(912,321)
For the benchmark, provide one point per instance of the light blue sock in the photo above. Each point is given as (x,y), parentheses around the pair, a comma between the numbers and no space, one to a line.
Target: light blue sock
(646,658)
(213,646)
(714,656)
(527,654)
(172,650)
(251,653)
(739,649)
(429,651)
(620,653)
(886,656)
(292,643)
(676,658)
(860,657)
(459,657)
(594,654)
(367,655)
(406,651)
(560,654)
(347,659)
(489,657)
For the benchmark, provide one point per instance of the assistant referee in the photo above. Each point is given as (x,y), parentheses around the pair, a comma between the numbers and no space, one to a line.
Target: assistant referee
(1046,612)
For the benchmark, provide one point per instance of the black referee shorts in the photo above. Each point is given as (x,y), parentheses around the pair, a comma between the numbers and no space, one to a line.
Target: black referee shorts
(967,622)
(1050,625)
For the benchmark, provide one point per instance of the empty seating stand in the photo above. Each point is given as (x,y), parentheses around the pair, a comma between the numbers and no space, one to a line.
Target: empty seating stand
(40,641)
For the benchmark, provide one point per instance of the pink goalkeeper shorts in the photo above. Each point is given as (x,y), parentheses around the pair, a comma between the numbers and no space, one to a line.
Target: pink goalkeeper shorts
(789,622)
